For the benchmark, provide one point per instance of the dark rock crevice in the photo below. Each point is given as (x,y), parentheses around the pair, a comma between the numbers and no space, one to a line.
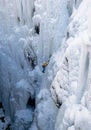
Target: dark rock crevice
(31,102)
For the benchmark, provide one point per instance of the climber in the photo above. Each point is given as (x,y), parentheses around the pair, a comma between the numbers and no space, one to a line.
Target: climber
(44,66)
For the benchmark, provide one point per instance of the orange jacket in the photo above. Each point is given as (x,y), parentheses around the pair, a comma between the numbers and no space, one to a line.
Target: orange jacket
(44,64)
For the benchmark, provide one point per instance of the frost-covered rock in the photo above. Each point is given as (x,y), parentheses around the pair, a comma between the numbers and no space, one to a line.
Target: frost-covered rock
(78,55)
(75,117)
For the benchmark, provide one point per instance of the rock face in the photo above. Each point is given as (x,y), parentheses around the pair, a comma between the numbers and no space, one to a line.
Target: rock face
(56,32)
(71,84)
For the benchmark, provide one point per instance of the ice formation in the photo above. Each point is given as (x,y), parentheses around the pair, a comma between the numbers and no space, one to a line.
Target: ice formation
(33,32)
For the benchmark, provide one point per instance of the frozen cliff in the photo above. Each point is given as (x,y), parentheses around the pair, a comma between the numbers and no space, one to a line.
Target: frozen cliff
(56,32)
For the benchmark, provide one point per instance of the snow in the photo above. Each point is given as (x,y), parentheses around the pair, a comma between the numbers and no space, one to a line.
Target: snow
(46,110)
(78,54)
(21,120)
(75,117)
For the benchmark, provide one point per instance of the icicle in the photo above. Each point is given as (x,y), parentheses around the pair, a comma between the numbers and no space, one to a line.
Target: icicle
(24,11)
(83,73)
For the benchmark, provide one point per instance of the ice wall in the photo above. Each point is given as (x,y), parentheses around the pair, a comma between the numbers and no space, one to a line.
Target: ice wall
(71,86)
(24,11)
(30,32)
(34,31)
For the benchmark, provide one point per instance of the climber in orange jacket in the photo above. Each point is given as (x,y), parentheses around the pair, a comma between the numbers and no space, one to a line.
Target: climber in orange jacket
(44,66)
